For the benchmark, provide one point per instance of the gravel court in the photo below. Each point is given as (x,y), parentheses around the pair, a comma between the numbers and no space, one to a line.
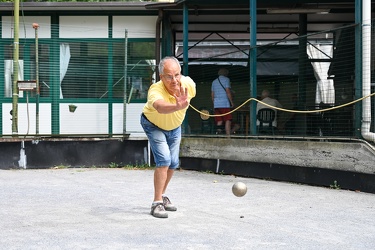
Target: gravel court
(94,208)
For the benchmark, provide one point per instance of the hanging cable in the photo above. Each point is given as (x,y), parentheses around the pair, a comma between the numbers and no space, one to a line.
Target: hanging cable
(286,110)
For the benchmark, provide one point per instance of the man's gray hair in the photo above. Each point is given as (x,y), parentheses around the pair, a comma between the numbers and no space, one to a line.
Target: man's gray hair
(162,62)
(223,72)
(265,93)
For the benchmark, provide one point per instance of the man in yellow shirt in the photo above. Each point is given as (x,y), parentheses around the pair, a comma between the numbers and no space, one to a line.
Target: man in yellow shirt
(163,114)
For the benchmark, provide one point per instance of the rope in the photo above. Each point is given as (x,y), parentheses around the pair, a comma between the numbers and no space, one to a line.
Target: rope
(286,110)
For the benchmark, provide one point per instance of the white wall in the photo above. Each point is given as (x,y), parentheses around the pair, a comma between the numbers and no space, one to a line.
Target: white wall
(26,29)
(88,118)
(26,122)
(137,26)
(133,114)
(83,26)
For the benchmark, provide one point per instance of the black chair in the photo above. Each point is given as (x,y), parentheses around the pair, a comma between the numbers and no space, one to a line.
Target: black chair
(266,116)
(207,126)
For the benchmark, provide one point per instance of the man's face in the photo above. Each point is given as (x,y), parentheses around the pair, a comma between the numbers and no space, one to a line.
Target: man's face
(171,77)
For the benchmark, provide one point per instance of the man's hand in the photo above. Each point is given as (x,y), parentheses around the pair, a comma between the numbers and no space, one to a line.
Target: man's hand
(182,102)
(182,98)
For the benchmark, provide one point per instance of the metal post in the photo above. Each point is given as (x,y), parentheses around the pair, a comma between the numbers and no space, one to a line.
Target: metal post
(15,69)
(358,69)
(186,39)
(36,26)
(125,79)
(302,67)
(253,64)
(185,124)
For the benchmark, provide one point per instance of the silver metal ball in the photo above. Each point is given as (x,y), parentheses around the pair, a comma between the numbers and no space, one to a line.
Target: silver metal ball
(239,189)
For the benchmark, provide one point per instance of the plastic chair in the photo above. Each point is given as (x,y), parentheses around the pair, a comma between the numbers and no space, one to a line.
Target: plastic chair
(266,116)
(207,125)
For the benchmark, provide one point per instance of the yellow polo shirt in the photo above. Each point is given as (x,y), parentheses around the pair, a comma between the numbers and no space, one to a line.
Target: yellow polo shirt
(157,91)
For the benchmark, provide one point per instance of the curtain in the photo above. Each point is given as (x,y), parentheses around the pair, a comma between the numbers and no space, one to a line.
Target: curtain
(64,63)
(325,89)
(8,65)
(152,63)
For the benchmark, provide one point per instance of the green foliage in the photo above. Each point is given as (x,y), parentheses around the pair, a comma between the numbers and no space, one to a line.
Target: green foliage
(138,167)
(334,185)
(3,1)
(135,166)
(113,165)
(61,166)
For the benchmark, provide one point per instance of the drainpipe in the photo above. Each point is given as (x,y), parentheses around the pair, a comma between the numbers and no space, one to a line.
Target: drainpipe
(157,44)
(366,71)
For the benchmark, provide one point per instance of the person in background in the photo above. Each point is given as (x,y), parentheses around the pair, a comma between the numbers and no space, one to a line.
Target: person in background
(163,114)
(222,99)
(234,128)
(265,97)
(288,120)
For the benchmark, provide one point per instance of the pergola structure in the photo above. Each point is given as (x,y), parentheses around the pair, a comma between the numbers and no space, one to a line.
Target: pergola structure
(187,23)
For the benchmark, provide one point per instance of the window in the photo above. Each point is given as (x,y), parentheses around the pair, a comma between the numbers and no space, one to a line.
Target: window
(92,67)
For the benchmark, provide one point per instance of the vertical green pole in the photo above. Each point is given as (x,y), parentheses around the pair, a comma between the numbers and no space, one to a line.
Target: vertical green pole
(15,69)
(185,65)
(302,67)
(36,26)
(110,77)
(2,80)
(358,69)
(253,65)
(55,75)
(125,79)
(186,39)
